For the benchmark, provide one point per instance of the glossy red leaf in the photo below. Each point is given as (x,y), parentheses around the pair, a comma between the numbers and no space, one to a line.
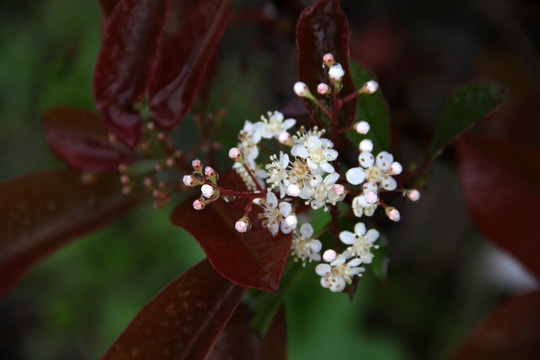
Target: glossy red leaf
(240,342)
(127,52)
(181,65)
(183,320)
(80,139)
(253,259)
(511,332)
(323,28)
(502,191)
(42,211)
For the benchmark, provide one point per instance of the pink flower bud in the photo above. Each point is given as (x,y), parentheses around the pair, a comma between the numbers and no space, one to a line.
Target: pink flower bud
(366,145)
(393,213)
(188,180)
(329,255)
(336,72)
(323,89)
(198,204)
(302,90)
(122,167)
(242,225)
(208,191)
(124,179)
(293,190)
(371,197)
(158,167)
(328,59)
(169,162)
(148,181)
(362,127)
(395,168)
(126,190)
(235,153)
(284,138)
(413,195)
(197,164)
(209,172)
(371,86)
(338,189)
(161,136)
(150,126)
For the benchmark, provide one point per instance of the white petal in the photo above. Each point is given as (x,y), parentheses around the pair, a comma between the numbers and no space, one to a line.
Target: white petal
(366,159)
(289,123)
(339,260)
(372,235)
(331,154)
(322,269)
(306,230)
(357,270)
(347,237)
(360,229)
(338,285)
(314,181)
(306,192)
(389,183)
(315,245)
(285,208)
(313,142)
(274,228)
(311,164)
(271,199)
(384,160)
(331,179)
(327,167)
(355,176)
(354,262)
(370,186)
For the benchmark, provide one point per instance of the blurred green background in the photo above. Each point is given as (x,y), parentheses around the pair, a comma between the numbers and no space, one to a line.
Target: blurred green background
(444,278)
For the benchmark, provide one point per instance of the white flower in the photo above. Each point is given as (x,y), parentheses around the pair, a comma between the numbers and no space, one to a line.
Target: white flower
(373,171)
(361,207)
(276,215)
(322,193)
(274,125)
(304,247)
(360,241)
(338,273)
(249,137)
(317,152)
(277,173)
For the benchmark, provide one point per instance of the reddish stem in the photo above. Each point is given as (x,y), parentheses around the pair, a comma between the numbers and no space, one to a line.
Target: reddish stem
(253,178)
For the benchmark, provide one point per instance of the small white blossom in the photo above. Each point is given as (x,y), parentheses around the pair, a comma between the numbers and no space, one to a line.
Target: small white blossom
(323,193)
(274,124)
(317,152)
(277,173)
(275,214)
(361,207)
(361,242)
(375,171)
(304,247)
(336,275)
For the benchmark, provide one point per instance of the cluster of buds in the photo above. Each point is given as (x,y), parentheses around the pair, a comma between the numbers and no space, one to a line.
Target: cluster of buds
(306,172)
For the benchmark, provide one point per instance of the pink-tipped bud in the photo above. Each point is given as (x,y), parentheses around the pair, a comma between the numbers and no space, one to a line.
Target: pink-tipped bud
(395,168)
(336,72)
(371,197)
(285,138)
(161,136)
(329,255)
(366,145)
(198,204)
(169,162)
(293,190)
(302,90)
(371,86)
(328,59)
(188,180)
(158,167)
(126,190)
(242,225)
(148,181)
(208,191)
(177,153)
(235,153)
(393,214)
(122,167)
(144,145)
(291,221)
(209,172)
(362,127)
(150,126)
(413,195)
(197,164)
(323,89)
(338,189)
(124,179)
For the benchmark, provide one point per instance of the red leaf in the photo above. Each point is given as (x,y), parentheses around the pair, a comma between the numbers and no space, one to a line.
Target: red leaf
(107,7)
(253,259)
(323,28)
(511,332)
(502,190)
(183,320)
(239,341)
(123,66)
(80,139)
(42,211)
(181,65)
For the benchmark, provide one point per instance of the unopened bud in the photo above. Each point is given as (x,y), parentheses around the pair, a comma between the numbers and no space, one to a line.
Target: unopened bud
(150,126)
(338,189)
(291,221)
(208,191)
(197,164)
(198,204)
(329,255)
(188,180)
(393,213)
(209,172)
(169,162)
(161,135)
(370,87)
(302,90)
(395,168)
(293,190)
(323,89)
(328,59)
(242,225)
(158,167)
(126,190)
(235,153)
(122,167)
(366,145)
(124,179)
(371,197)
(336,72)
(285,138)
(413,195)
(362,127)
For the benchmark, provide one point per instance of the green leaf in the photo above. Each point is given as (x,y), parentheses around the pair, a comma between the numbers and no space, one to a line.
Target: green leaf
(372,108)
(467,104)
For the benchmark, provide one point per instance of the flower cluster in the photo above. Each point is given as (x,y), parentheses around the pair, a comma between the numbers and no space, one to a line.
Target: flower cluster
(306,174)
